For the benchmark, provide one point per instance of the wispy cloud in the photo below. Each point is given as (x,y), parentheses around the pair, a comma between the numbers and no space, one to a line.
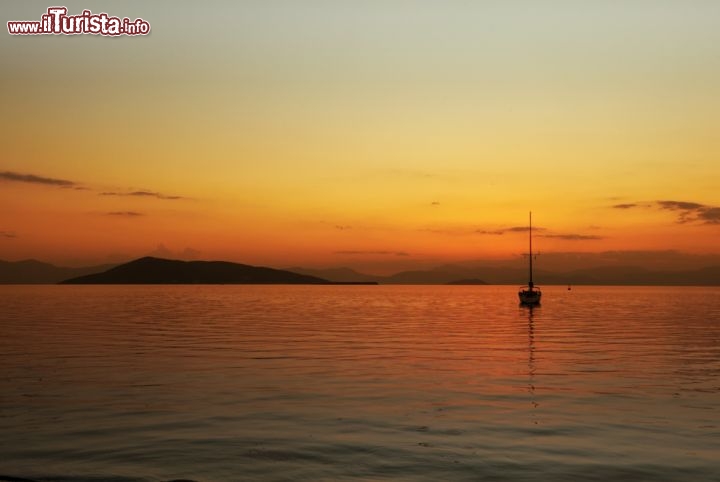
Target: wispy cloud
(451,231)
(573,237)
(162,251)
(341,227)
(143,194)
(688,212)
(514,229)
(7,235)
(545,232)
(125,213)
(382,253)
(472,230)
(11,176)
(679,205)
(34,179)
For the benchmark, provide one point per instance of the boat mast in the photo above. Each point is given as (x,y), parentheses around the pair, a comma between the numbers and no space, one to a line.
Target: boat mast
(530,283)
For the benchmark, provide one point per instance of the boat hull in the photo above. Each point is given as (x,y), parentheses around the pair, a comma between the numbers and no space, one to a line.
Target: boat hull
(529,297)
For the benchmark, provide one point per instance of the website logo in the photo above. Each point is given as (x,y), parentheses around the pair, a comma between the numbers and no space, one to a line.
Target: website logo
(57,22)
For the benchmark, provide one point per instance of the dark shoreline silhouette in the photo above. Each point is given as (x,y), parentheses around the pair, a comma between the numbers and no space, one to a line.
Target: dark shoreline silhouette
(31,271)
(467,281)
(149,270)
(37,272)
(506,275)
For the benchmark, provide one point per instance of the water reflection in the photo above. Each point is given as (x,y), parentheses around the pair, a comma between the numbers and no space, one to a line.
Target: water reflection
(531,359)
(324,383)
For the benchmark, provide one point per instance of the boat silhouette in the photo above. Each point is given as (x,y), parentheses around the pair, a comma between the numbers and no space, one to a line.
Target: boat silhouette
(530,295)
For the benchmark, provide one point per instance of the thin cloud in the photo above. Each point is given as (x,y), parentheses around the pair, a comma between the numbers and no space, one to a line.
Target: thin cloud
(12,176)
(468,231)
(162,251)
(451,231)
(625,206)
(382,253)
(514,229)
(548,234)
(8,235)
(522,229)
(342,227)
(573,237)
(143,194)
(435,203)
(125,213)
(34,179)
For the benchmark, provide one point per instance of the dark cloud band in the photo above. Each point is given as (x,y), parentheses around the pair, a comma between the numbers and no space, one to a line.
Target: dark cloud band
(514,229)
(382,253)
(573,237)
(687,211)
(125,213)
(33,179)
(142,194)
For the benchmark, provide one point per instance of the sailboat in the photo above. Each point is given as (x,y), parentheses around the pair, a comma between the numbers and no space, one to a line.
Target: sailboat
(530,295)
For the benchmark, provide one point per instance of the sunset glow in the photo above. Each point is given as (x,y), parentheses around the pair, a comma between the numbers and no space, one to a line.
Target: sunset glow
(376,135)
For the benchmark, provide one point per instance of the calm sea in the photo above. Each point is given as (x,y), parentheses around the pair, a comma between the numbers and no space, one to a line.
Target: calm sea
(326,383)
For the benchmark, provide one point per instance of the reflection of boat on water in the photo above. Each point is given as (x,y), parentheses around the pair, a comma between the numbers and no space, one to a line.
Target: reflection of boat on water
(531,360)
(530,295)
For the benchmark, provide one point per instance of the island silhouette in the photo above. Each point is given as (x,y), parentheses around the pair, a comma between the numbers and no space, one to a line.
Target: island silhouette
(150,270)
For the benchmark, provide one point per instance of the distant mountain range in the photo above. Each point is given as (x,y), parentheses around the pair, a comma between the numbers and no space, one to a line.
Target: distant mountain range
(36,272)
(472,281)
(603,275)
(155,270)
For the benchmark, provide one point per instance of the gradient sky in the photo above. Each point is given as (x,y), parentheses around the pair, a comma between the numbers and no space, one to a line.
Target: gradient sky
(373,134)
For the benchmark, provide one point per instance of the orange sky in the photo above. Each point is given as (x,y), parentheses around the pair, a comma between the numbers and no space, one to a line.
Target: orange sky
(363,134)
